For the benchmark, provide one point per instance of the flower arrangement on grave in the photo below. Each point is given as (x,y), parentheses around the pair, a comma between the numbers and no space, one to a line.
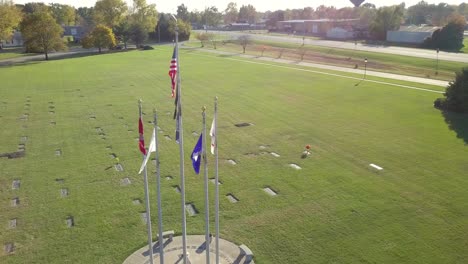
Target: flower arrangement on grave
(306,152)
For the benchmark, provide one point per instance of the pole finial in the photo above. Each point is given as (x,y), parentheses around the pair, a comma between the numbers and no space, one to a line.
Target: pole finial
(203,108)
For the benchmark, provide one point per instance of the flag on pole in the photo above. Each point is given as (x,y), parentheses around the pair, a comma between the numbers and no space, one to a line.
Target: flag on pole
(141,141)
(197,155)
(152,148)
(173,71)
(213,136)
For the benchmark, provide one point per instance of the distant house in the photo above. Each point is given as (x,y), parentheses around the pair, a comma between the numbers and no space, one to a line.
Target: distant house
(410,34)
(76,32)
(16,40)
(320,27)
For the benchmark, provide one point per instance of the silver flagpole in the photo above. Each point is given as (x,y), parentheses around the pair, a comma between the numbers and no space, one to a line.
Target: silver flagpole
(147,204)
(216,179)
(207,205)
(158,190)
(181,149)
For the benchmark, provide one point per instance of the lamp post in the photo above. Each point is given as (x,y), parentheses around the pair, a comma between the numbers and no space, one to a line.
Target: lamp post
(365,67)
(437,63)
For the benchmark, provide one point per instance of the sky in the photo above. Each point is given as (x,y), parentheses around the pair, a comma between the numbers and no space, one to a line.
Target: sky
(168,6)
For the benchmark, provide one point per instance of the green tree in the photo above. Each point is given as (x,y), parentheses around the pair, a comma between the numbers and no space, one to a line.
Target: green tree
(184,29)
(231,13)
(85,18)
(211,17)
(10,17)
(449,37)
(138,34)
(456,94)
(101,37)
(122,32)
(144,15)
(183,13)
(386,18)
(418,14)
(247,13)
(109,12)
(42,33)
(63,14)
(30,8)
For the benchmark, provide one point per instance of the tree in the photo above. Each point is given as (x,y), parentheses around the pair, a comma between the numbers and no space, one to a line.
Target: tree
(184,29)
(441,13)
(10,17)
(85,18)
(63,14)
(274,17)
(231,13)
(418,14)
(30,8)
(386,18)
(247,13)
(182,13)
(211,16)
(456,94)
(202,37)
(449,37)
(144,15)
(42,33)
(138,34)
(244,40)
(109,12)
(101,37)
(122,32)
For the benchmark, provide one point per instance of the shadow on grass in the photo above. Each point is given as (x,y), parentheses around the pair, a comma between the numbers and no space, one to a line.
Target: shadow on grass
(39,58)
(458,123)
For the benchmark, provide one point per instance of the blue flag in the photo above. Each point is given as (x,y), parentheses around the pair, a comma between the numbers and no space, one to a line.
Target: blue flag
(197,155)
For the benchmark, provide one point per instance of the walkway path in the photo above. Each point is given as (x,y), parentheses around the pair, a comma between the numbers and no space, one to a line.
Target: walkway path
(229,252)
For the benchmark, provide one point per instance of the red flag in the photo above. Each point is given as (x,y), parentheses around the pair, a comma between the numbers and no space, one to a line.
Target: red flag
(173,71)
(142,139)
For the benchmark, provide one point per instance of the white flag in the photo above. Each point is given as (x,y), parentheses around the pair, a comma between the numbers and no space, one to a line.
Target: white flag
(151,148)
(213,136)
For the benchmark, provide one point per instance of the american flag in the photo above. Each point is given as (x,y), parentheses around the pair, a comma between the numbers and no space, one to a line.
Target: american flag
(173,70)
(141,141)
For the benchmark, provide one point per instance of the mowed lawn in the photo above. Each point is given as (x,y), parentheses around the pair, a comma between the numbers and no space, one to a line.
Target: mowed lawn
(336,209)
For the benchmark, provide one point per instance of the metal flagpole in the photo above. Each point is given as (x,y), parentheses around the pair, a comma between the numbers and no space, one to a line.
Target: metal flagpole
(158,190)
(216,179)
(148,215)
(207,205)
(181,149)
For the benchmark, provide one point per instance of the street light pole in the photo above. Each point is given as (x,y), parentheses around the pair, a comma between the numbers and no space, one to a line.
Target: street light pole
(437,64)
(365,67)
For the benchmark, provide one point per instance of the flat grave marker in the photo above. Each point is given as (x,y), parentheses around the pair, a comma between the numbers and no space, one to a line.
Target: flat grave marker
(270,191)
(232,198)
(15,185)
(295,166)
(70,221)
(191,210)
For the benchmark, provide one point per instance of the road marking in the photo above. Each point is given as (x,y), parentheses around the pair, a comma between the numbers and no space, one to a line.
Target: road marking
(330,74)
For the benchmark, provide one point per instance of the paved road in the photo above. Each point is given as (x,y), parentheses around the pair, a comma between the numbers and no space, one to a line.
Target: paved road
(414,52)
(336,68)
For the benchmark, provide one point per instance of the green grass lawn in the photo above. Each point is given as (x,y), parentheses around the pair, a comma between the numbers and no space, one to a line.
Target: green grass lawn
(8,53)
(335,210)
(465,48)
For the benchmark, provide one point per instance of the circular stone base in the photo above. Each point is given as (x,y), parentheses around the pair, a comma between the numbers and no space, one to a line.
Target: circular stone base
(229,253)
